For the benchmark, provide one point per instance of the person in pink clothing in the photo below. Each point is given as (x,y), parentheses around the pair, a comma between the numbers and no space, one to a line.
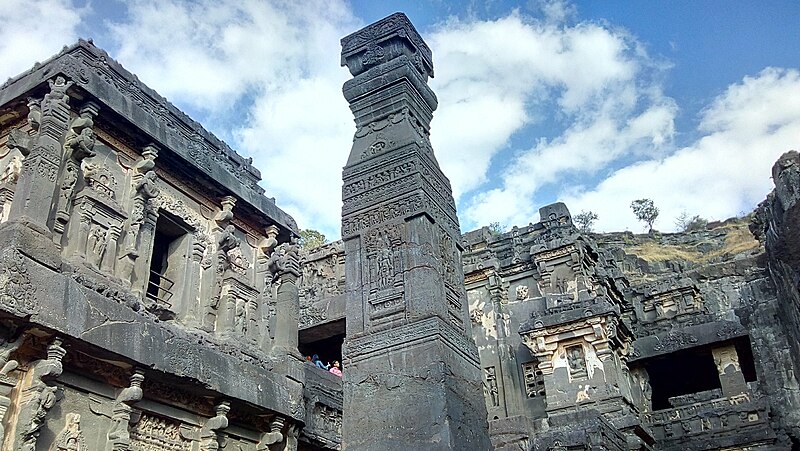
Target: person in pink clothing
(336,368)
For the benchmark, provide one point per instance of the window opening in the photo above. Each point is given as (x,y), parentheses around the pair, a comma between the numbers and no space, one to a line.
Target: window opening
(534,379)
(682,373)
(164,259)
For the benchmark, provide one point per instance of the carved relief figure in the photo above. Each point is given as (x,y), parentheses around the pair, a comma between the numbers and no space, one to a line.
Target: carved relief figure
(100,179)
(78,145)
(71,438)
(39,397)
(385,275)
(153,433)
(96,245)
(240,316)
(576,361)
(10,174)
(491,387)
(145,189)
(226,243)
(522,292)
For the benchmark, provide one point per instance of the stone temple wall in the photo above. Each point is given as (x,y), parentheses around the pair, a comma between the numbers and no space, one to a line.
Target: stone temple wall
(641,307)
(148,288)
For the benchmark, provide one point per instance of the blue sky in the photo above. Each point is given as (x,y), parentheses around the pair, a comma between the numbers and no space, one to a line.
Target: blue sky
(591,103)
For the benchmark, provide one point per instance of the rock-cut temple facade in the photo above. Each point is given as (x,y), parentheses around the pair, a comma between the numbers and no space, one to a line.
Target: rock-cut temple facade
(153,297)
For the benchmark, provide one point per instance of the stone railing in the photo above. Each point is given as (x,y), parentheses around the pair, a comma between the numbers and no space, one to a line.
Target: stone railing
(738,417)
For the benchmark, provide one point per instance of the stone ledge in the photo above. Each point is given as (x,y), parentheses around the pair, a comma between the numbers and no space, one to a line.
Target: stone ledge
(69,309)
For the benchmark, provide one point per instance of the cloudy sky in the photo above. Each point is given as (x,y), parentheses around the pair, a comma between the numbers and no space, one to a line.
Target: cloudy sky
(591,103)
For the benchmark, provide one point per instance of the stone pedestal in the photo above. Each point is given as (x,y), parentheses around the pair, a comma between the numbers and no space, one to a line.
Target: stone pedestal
(411,371)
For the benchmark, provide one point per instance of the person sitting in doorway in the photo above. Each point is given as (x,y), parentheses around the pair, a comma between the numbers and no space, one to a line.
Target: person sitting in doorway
(336,368)
(316,361)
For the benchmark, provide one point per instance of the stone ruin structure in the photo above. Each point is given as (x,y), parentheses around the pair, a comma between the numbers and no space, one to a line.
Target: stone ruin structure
(153,298)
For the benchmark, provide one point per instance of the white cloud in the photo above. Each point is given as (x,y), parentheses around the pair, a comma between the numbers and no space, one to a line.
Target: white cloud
(724,173)
(281,60)
(34,31)
(497,78)
(266,76)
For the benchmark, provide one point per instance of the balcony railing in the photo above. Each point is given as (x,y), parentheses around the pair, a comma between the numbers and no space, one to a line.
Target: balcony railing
(159,289)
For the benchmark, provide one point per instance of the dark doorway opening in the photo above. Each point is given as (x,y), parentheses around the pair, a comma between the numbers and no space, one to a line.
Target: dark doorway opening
(682,373)
(166,258)
(325,340)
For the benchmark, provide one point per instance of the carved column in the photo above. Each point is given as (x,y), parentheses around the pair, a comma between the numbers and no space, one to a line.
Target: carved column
(219,312)
(110,255)
(209,434)
(226,310)
(497,288)
(78,145)
(37,184)
(119,437)
(132,268)
(408,334)
(7,383)
(141,271)
(38,397)
(193,313)
(731,377)
(284,264)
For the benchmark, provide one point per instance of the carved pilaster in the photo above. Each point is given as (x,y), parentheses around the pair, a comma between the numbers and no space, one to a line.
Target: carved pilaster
(731,378)
(6,198)
(119,437)
(210,432)
(37,183)
(141,272)
(144,188)
(38,397)
(7,383)
(194,312)
(284,264)
(78,145)
(110,255)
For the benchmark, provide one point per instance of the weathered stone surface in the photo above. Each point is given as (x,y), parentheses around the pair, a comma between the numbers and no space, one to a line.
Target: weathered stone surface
(408,334)
(112,266)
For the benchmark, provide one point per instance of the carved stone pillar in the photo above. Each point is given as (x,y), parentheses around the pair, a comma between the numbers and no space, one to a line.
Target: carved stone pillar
(6,198)
(29,219)
(209,434)
(110,256)
(226,309)
(408,329)
(144,188)
(141,271)
(38,397)
(502,373)
(78,145)
(7,383)
(119,437)
(284,264)
(193,312)
(37,184)
(730,371)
